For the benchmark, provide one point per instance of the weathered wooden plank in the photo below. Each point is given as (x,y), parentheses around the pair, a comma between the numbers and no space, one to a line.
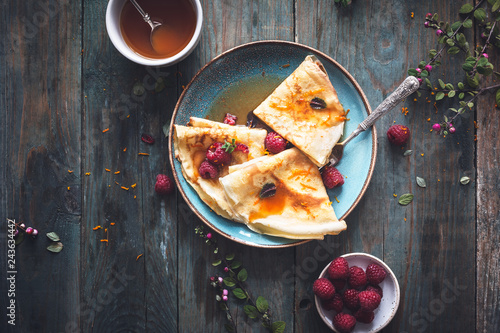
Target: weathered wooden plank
(113,280)
(488,217)
(40,102)
(228,24)
(377,44)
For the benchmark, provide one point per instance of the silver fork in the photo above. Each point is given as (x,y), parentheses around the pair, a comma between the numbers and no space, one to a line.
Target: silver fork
(406,88)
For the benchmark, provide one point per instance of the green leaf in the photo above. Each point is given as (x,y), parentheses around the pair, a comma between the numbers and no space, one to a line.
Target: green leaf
(278,327)
(460,85)
(424,73)
(451,93)
(239,293)
(242,275)
(53,236)
(464,180)
(456,25)
(439,96)
(470,105)
(495,6)
(428,83)
(55,247)
(468,23)
(405,199)
(408,152)
(235,264)
(19,238)
(480,14)
(482,61)
(466,9)
(450,42)
(461,95)
(450,86)
(229,281)
(473,81)
(412,72)
(216,262)
(441,84)
(453,50)
(251,311)
(468,67)
(421,182)
(497,97)
(262,304)
(230,256)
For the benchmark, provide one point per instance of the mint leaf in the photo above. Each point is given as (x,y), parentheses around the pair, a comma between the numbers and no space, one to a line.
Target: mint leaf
(405,199)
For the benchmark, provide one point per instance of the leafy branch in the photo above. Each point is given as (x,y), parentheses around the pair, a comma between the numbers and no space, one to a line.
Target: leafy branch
(235,282)
(476,64)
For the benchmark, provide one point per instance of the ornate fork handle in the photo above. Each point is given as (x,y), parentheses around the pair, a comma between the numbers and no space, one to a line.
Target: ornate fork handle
(406,88)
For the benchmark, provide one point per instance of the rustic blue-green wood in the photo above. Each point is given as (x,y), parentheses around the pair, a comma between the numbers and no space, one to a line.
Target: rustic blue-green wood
(62,83)
(40,140)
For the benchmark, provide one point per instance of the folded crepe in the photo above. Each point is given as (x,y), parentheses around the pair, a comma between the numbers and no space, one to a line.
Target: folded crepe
(306,111)
(281,195)
(191,144)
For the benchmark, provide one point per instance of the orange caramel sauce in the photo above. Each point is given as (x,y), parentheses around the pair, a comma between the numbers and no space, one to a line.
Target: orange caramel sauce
(178,18)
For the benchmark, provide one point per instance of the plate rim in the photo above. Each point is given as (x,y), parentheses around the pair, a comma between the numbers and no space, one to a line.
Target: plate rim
(247,45)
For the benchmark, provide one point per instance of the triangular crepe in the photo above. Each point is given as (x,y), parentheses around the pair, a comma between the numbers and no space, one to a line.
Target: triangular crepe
(191,144)
(306,111)
(300,207)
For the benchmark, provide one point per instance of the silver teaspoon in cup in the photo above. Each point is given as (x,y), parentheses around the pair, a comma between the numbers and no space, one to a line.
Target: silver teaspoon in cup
(406,88)
(153,24)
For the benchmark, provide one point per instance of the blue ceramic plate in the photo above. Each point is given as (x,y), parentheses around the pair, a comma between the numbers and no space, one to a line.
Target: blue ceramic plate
(236,82)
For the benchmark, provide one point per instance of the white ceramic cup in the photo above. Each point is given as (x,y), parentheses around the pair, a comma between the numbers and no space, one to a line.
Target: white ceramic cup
(113,27)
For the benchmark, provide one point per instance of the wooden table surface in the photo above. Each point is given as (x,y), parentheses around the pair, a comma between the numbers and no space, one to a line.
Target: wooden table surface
(63,83)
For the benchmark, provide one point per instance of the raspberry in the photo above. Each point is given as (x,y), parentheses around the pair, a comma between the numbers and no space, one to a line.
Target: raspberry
(357,278)
(323,288)
(369,300)
(338,269)
(339,284)
(398,134)
(344,322)
(363,316)
(147,139)
(164,185)
(217,155)
(275,143)
(351,299)
(376,289)
(207,170)
(243,148)
(335,303)
(332,177)
(230,119)
(375,274)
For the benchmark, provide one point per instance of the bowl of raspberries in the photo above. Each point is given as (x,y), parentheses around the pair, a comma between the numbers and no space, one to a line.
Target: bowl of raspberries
(356,292)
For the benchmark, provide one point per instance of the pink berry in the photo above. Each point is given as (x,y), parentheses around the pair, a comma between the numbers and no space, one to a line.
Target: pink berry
(428,15)
(426,24)
(16,232)
(29,230)
(212,278)
(439,32)
(224,298)
(485,55)
(209,235)
(226,269)
(225,292)
(418,70)
(452,129)
(428,68)
(22,226)
(221,279)
(35,232)
(436,127)
(420,80)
